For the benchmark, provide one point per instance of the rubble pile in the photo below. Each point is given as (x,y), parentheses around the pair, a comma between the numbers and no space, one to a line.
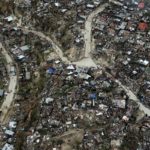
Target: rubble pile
(82,100)
(61,106)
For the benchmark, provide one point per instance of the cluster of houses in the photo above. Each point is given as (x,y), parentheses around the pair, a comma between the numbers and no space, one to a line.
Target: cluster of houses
(80,107)
(121,34)
(4,80)
(28,51)
(63,20)
(84,100)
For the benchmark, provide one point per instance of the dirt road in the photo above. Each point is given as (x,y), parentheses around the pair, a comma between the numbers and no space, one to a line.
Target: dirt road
(88,45)
(134,97)
(88,27)
(11,88)
(55,46)
(88,61)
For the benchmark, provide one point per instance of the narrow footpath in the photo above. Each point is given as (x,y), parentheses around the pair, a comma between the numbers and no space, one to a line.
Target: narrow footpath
(11,87)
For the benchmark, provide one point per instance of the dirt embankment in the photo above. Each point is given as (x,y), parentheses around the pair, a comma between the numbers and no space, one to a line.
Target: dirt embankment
(6,6)
(71,139)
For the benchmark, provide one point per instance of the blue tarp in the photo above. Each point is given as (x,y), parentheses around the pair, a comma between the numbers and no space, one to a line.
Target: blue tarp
(92,96)
(51,70)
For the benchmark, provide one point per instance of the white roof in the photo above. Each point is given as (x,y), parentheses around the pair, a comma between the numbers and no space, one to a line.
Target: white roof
(57,61)
(24,48)
(144,62)
(120,103)
(69,73)
(125,118)
(12,124)
(70,67)
(129,52)
(48,100)
(9,132)
(9,18)
(103,107)
(84,76)
(21,56)
(57,4)
(63,10)
(68,122)
(8,147)
(90,6)
(134,72)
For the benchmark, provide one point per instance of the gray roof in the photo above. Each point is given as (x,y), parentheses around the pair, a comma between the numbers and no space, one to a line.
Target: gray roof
(1,92)
(25,48)
(8,147)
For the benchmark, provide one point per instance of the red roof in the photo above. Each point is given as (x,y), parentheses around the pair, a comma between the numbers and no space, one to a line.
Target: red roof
(141,5)
(143,26)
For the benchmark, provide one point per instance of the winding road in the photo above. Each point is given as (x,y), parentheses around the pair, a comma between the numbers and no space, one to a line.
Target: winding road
(87,61)
(11,88)
(88,45)
(88,29)
(134,97)
(55,46)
